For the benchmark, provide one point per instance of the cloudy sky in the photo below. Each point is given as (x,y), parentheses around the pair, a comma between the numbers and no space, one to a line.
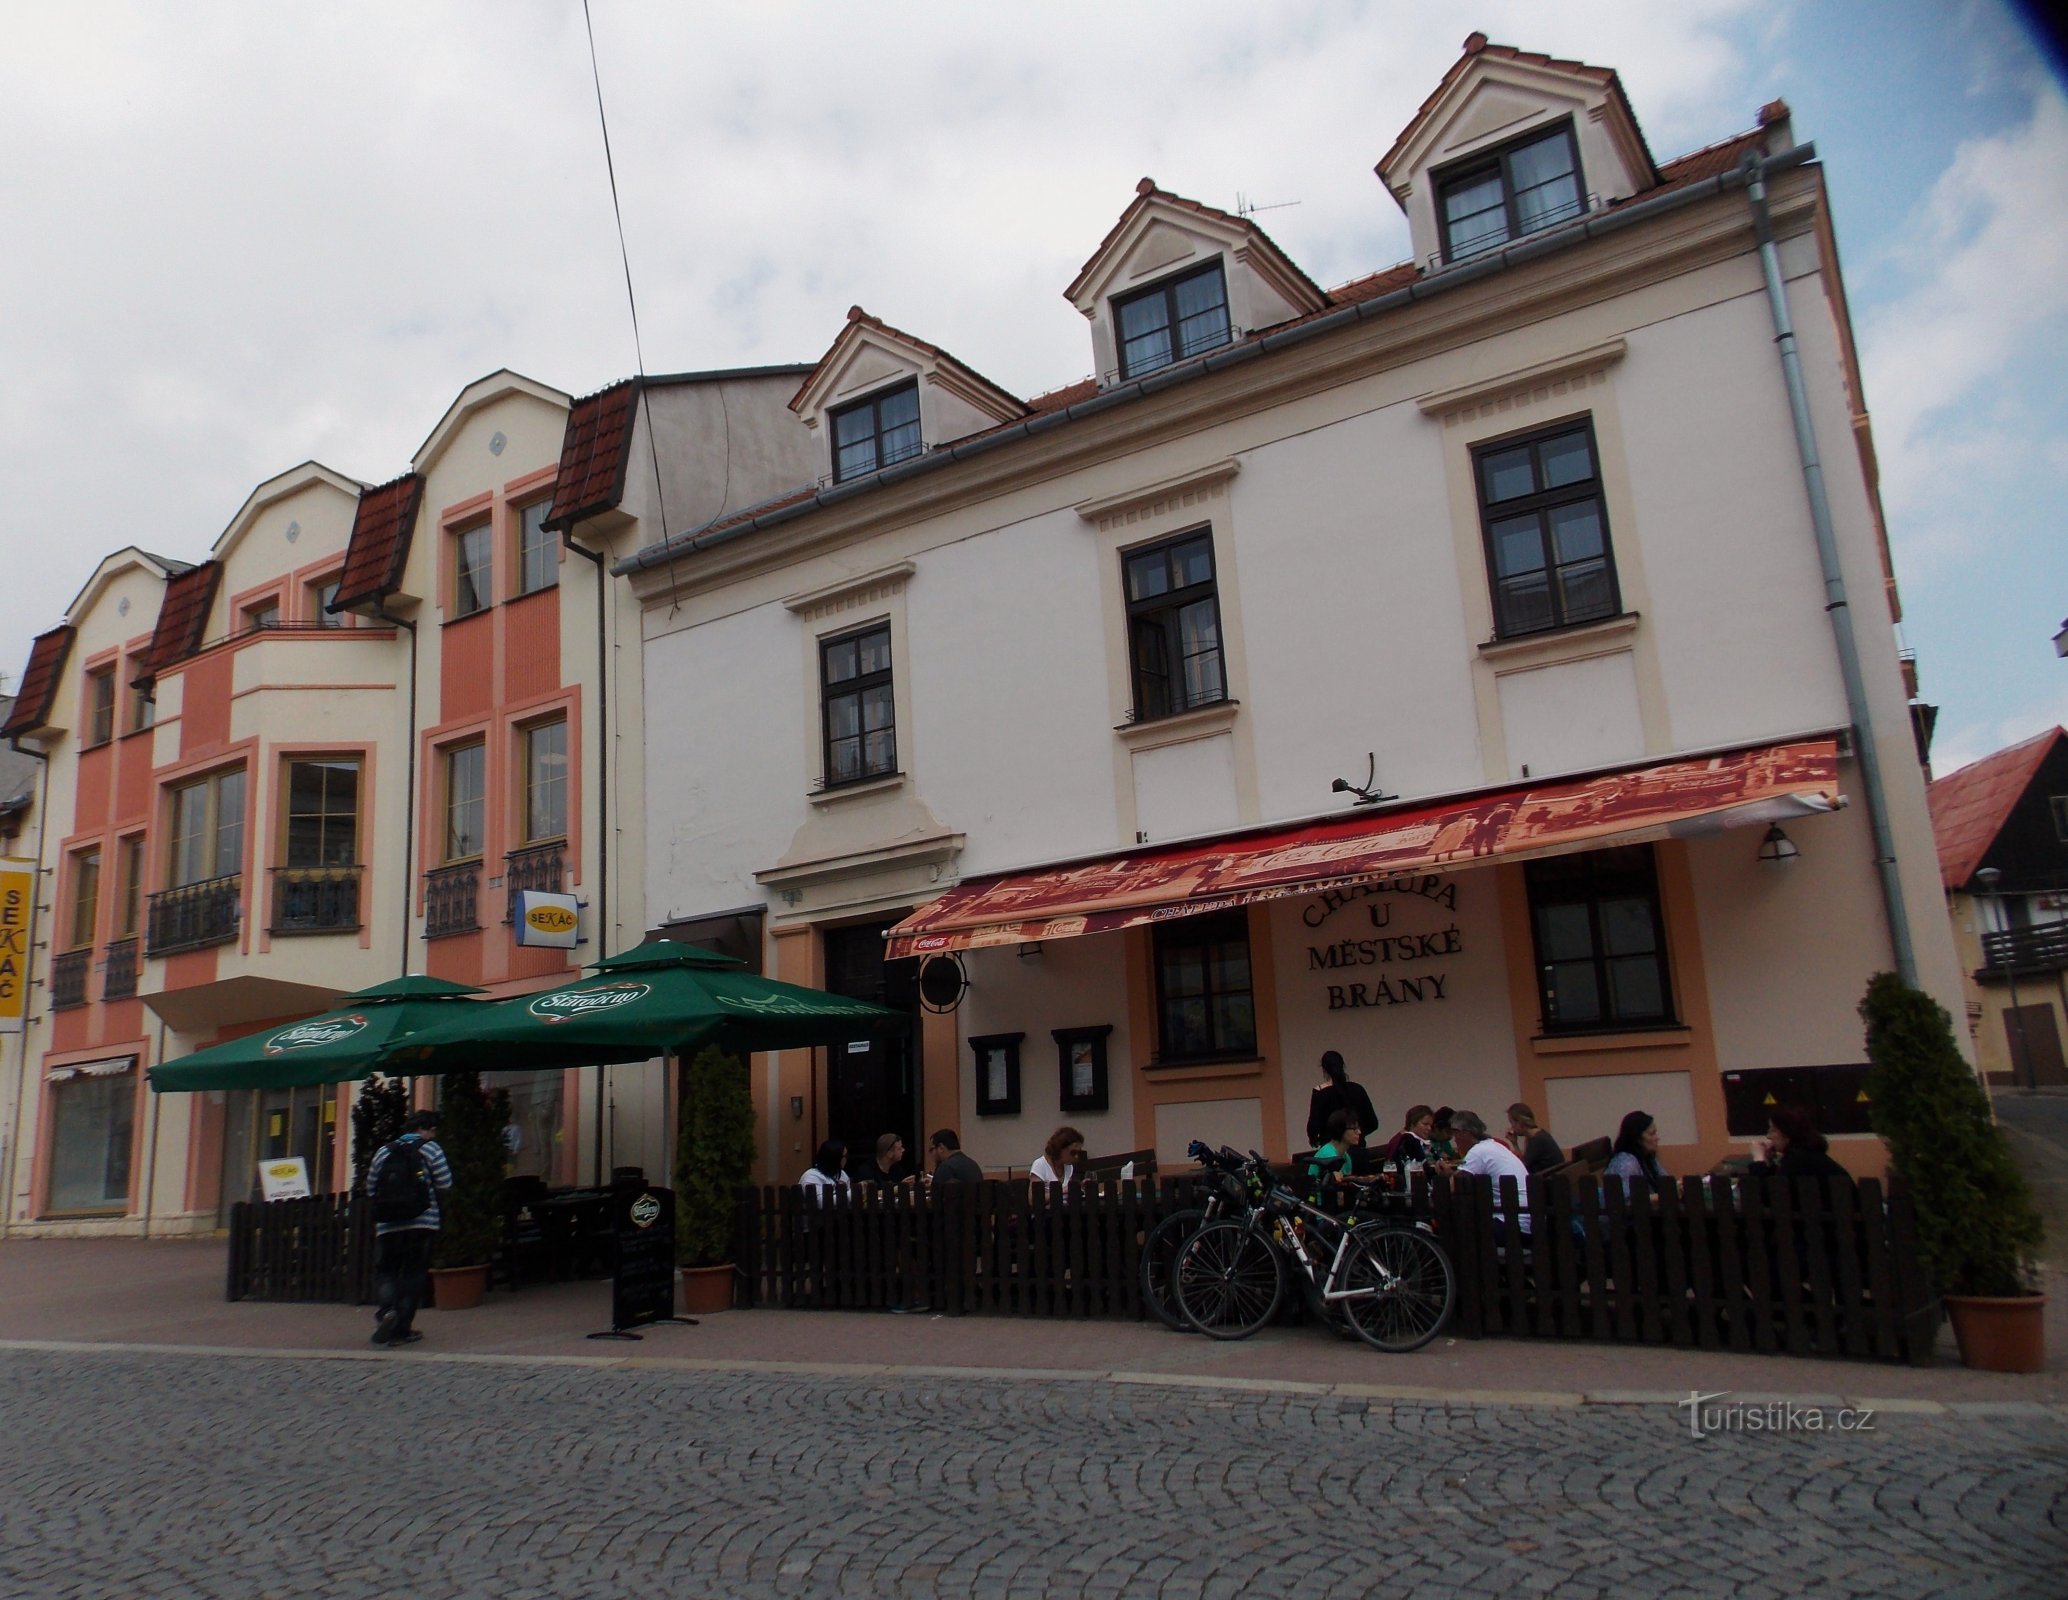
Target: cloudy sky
(241,235)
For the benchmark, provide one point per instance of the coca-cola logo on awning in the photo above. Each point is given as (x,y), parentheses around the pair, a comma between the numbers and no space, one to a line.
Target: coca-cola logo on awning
(571,1003)
(308,1035)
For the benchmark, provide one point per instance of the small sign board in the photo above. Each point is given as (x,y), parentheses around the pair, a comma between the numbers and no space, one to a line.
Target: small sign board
(284,1178)
(17,896)
(549,920)
(642,1287)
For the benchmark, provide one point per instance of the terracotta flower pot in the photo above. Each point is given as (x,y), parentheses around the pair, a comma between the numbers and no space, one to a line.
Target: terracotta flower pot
(458,1288)
(2005,1334)
(706,1290)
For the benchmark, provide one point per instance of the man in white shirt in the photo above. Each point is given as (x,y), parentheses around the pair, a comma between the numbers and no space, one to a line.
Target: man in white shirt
(1488,1158)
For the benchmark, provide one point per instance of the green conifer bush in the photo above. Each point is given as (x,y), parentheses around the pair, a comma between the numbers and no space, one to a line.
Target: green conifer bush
(470,1132)
(714,1155)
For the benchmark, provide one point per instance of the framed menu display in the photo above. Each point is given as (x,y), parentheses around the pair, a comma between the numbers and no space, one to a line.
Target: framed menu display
(1081,1067)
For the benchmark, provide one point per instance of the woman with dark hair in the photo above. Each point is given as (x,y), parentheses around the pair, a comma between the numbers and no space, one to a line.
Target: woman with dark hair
(1336,1092)
(828,1170)
(1411,1143)
(1636,1158)
(1794,1148)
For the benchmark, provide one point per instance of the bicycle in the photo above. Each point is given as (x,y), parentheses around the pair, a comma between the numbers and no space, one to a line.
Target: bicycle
(1233,1183)
(1389,1279)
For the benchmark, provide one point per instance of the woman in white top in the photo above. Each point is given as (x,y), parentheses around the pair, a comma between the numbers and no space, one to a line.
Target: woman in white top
(828,1171)
(1058,1161)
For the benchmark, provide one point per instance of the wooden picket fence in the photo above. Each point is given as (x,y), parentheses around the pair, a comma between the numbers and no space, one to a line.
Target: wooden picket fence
(1755,1265)
(320,1248)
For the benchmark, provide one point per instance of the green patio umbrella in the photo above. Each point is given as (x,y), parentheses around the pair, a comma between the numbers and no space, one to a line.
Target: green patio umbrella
(341,1044)
(659,996)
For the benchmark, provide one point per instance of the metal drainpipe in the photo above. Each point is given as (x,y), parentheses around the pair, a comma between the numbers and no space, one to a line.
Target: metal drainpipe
(21,1085)
(1835,604)
(409,791)
(595,558)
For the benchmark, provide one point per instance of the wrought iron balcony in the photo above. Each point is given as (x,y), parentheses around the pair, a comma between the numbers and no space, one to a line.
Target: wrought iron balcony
(316,899)
(194,915)
(118,971)
(2043,948)
(452,900)
(68,979)
(537,866)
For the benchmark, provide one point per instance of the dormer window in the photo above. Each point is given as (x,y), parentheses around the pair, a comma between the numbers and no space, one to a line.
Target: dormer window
(1171,320)
(1510,192)
(876,432)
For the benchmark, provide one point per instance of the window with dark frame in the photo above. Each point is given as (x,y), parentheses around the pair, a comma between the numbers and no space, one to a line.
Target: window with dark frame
(538,549)
(1600,941)
(545,781)
(1508,193)
(86,898)
(129,886)
(1081,1066)
(1549,560)
(1171,320)
(207,828)
(858,706)
(998,1073)
(876,432)
(100,706)
(473,555)
(323,811)
(262,614)
(1205,999)
(1174,626)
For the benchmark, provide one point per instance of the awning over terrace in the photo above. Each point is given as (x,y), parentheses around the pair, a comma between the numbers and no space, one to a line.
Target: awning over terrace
(1743,788)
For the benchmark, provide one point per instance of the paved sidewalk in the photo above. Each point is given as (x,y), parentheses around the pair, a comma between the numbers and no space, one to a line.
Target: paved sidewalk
(137,1293)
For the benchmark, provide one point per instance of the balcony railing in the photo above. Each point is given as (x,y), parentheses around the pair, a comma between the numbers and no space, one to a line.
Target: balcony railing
(68,979)
(452,900)
(2038,949)
(315,899)
(118,972)
(194,915)
(537,866)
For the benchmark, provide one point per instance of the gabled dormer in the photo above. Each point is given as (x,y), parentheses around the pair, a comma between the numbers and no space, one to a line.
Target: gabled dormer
(1175,279)
(1512,143)
(879,396)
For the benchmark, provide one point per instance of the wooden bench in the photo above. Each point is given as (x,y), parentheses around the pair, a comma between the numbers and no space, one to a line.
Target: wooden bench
(1101,1169)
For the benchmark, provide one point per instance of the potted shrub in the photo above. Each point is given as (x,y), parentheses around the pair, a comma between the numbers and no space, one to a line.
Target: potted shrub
(470,1131)
(1977,1228)
(714,1155)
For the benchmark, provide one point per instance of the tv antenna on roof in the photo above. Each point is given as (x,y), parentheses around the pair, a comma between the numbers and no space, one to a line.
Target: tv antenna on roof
(1246,207)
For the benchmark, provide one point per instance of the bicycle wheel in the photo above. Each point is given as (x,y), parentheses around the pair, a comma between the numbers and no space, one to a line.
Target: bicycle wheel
(1402,1288)
(1160,1257)
(1229,1280)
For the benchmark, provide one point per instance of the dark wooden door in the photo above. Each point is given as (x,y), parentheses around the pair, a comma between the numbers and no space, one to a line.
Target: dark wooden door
(2035,1046)
(872,1085)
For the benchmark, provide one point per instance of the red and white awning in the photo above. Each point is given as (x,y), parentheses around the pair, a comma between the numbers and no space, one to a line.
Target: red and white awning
(1744,788)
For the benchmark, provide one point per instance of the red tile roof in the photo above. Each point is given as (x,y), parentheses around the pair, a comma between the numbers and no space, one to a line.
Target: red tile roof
(595,452)
(379,546)
(40,681)
(1970,807)
(182,618)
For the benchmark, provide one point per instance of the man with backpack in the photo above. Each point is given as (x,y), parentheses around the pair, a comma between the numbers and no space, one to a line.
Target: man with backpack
(403,1183)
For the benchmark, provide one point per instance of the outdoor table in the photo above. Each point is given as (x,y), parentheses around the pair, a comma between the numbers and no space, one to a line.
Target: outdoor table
(576,1226)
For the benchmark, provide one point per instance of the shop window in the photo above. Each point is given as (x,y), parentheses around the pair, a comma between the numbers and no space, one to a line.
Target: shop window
(84,905)
(100,705)
(857,706)
(1600,941)
(1547,546)
(1174,626)
(876,432)
(1169,321)
(545,781)
(1508,193)
(1205,1001)
(538,549)
(466,768)
(473,556)
(92,1117)
(533,1137)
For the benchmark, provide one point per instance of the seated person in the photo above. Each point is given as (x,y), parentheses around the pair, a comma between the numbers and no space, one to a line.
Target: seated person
(828,1171)
(1539,1151)
(1636,1161)
(1331,1167)
(950,1165)
(1482,1157)
(1411,1143)
(887,1166)
(1058,1160)
(1794,1149)
(1442,1140)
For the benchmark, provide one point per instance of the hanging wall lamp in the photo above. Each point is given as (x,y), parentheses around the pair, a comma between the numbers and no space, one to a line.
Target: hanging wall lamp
(1777,849)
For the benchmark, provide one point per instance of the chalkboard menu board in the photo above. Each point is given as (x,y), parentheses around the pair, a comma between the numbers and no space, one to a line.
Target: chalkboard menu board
(642,1289)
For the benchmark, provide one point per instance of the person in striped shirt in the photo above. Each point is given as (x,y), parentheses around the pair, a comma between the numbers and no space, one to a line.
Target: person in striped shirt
(402,1246)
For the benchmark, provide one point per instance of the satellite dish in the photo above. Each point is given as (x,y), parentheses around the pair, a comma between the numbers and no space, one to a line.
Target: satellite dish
(942,983)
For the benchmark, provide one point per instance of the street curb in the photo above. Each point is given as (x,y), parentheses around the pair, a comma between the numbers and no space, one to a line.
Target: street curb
(1397,1394)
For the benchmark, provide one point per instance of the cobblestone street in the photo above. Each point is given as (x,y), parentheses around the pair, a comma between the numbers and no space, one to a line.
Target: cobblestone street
(164,1476)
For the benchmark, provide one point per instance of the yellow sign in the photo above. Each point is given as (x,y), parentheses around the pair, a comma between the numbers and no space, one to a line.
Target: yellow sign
(17,896)
(550,919)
